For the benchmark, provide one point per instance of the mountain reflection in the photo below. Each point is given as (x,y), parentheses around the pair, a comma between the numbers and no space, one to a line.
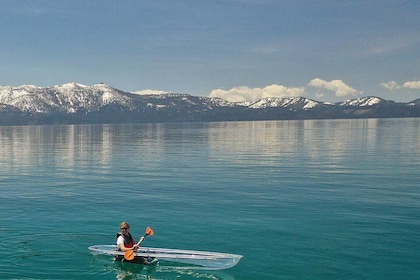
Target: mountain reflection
(70,145)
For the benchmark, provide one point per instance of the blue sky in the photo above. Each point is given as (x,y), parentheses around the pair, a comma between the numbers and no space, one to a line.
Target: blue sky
(235,49)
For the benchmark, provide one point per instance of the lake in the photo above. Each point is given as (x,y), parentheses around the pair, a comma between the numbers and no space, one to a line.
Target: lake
(320,199)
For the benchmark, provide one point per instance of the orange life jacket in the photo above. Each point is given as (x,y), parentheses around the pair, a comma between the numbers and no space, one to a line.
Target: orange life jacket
(128,240)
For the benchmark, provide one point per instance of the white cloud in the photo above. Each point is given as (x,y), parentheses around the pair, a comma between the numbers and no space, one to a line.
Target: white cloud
(338,86)
(412,85)
(244,93)
(149,92)
(392,85)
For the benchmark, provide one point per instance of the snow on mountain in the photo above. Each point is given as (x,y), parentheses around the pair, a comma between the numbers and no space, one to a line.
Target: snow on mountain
(414,102)
(25,97)
(362,101)
(296,102)
(8,93)
(69,98)
(216,101)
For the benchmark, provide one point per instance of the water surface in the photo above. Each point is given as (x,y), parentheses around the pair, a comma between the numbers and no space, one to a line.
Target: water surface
(325,199)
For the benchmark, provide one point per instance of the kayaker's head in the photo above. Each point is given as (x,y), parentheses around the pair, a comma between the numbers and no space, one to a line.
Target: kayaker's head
(125,228)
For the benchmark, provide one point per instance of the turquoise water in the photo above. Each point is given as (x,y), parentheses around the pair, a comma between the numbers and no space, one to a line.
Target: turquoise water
(325,199)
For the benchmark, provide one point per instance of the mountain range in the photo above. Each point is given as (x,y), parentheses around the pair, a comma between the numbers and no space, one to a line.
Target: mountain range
(100,103)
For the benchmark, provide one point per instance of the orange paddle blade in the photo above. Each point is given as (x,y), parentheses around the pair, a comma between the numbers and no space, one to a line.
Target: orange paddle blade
(149,231)
(129,255)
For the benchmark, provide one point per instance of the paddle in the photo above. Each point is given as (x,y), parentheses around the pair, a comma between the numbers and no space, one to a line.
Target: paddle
(129,255)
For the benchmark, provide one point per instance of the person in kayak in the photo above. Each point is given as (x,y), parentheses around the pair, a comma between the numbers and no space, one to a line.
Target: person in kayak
(126,242)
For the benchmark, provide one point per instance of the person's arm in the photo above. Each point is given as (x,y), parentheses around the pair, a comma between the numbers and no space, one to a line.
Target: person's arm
(121,246)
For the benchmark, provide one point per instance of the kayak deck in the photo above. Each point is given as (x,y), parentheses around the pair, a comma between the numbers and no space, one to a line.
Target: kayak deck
(212,260)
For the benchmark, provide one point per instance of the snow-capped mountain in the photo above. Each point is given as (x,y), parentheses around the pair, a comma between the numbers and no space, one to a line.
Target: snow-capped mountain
(101,103)
(67,98)
(293,102)
(363,101)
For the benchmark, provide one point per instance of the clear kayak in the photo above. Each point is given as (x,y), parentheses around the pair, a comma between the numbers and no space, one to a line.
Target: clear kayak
(210,260)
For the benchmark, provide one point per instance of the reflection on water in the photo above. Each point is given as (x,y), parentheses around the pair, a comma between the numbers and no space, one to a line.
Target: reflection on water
(133,271)
(286,138)
(159,271)
(83,144)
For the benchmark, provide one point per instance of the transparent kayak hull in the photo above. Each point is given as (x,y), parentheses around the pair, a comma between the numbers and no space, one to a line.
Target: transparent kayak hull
(211,260)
